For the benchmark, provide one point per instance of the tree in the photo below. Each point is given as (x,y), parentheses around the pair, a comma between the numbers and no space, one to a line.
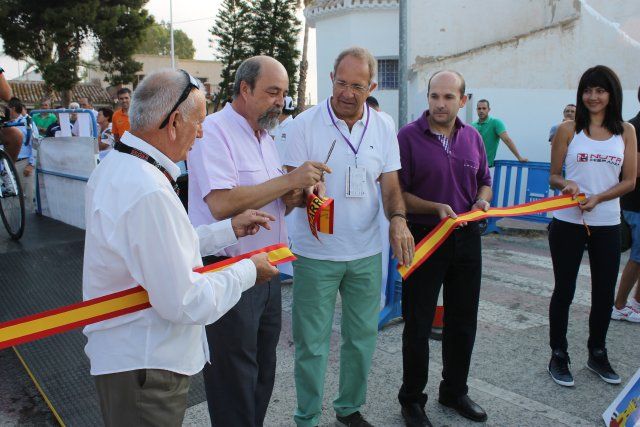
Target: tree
(274,32)
(157,41)
(231,32)
(51,35)
(301,99)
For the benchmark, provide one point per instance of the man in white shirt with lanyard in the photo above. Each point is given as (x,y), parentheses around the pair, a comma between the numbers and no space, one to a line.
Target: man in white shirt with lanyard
(137,232)
(349,260)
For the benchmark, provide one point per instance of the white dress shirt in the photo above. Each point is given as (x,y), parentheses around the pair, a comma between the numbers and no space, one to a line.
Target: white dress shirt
(139,233)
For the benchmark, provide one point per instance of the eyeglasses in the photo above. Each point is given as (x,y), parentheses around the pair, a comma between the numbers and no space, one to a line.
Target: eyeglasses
(192,83)
(342,85)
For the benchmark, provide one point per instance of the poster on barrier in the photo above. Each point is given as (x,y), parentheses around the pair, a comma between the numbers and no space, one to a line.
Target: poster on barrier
(625,409)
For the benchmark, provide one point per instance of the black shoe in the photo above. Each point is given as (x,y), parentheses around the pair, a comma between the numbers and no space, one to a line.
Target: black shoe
(414,416)
(353,420)
(465,407)
(599,363)
(559,368)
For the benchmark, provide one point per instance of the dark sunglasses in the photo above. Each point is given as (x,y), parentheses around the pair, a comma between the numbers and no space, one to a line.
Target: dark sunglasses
(192,83)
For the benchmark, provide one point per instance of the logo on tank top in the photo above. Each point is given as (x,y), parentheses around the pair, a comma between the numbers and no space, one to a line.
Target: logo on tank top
(599,158)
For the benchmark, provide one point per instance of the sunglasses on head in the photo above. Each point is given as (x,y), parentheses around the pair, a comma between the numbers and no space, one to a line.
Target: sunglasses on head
(192,83)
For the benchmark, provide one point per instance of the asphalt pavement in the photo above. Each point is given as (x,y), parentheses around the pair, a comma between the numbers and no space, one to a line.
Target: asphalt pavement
(508,376)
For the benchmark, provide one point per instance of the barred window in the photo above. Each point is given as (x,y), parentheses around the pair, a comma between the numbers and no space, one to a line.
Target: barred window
(388,74)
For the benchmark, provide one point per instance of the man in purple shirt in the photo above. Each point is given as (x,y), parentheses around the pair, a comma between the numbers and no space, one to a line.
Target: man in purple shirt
(235,165)
(444,173)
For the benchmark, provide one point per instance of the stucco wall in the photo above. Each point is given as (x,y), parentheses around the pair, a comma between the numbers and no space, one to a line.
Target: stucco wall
(439,28)
(529,79)
(625,13)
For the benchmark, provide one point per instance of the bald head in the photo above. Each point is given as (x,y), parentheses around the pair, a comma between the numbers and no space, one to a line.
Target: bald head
(254,68)
(446,97)
(157,93)
(447,76)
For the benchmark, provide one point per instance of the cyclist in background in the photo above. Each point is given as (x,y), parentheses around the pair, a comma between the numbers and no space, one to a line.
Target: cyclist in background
(10,138)
(25,163)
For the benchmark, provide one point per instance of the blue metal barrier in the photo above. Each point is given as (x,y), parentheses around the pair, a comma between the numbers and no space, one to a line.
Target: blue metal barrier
(531,184)
(393,305)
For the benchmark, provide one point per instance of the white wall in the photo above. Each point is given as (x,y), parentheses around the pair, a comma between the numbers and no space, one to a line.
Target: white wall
(439,28)
(529,114)
(529,80)
(626,13)
(376,30)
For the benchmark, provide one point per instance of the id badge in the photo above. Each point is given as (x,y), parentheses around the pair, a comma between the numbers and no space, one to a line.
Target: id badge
(356,182)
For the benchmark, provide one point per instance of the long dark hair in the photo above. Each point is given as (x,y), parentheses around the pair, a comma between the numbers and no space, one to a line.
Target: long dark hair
(606,78)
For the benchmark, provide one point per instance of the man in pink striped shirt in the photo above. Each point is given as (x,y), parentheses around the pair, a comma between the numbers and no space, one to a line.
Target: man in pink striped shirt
(233,166)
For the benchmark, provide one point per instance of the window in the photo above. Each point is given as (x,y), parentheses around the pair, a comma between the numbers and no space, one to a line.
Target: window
(388,74)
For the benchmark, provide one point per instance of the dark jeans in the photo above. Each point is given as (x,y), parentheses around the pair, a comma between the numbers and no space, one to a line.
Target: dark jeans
(567,242)
(457,266)
(242,345)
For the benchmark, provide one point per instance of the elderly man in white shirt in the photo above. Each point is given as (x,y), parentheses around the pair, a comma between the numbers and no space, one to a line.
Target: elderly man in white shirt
(139,233)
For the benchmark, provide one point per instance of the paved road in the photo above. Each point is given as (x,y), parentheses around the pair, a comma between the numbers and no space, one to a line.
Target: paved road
(508,372)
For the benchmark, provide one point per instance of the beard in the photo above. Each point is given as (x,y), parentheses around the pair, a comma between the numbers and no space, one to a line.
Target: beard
(269,119)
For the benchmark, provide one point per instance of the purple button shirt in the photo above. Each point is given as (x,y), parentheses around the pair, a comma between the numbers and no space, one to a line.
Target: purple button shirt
(229,155)
(433,174)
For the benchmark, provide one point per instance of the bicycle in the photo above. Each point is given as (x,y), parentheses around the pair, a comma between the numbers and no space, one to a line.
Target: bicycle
(12,210)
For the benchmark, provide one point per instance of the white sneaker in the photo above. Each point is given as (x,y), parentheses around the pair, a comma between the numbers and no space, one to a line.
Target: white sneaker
(635,305)
(626,313)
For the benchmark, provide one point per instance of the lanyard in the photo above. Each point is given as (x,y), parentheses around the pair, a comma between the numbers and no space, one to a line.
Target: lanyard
(366,126)
(124,148)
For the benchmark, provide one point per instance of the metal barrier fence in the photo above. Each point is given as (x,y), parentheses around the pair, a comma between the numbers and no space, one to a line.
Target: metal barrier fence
(515,183)
(63,166)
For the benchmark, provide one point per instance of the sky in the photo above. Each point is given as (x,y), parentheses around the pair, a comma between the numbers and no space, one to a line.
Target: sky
(194,17)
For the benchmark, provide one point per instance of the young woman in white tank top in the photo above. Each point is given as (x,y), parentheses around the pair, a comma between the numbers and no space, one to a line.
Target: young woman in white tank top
(598,150)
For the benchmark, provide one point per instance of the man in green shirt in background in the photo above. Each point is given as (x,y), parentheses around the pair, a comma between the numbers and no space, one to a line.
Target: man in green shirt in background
(492,131)
(44,120)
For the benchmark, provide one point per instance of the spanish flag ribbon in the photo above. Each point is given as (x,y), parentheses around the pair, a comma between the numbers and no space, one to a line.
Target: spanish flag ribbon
(320,214)
(438,235)
(51,322)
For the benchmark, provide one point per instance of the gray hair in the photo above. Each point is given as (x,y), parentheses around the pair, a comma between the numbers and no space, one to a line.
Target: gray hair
(248,71)
(74,105)
(154,97)
(359,53)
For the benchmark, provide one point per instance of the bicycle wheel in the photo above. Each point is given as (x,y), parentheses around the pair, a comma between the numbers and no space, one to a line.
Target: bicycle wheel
(11,198)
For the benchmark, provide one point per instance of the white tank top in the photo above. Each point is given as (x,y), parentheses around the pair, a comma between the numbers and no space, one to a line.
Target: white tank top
(595,166)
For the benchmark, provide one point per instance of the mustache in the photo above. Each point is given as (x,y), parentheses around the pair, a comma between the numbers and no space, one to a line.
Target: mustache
(272,110)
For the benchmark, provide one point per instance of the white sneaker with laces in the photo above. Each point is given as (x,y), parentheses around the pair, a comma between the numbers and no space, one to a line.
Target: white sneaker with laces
(635,305)
(626,313)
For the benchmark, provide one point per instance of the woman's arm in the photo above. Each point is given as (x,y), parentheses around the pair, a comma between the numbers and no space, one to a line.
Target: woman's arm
(559,147)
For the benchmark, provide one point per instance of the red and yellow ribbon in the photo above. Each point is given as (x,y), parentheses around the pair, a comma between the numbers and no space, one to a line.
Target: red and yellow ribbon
(320,214)
(438,235)
(31,328)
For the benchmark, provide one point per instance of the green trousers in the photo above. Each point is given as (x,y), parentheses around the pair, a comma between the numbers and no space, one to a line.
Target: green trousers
(315,287)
